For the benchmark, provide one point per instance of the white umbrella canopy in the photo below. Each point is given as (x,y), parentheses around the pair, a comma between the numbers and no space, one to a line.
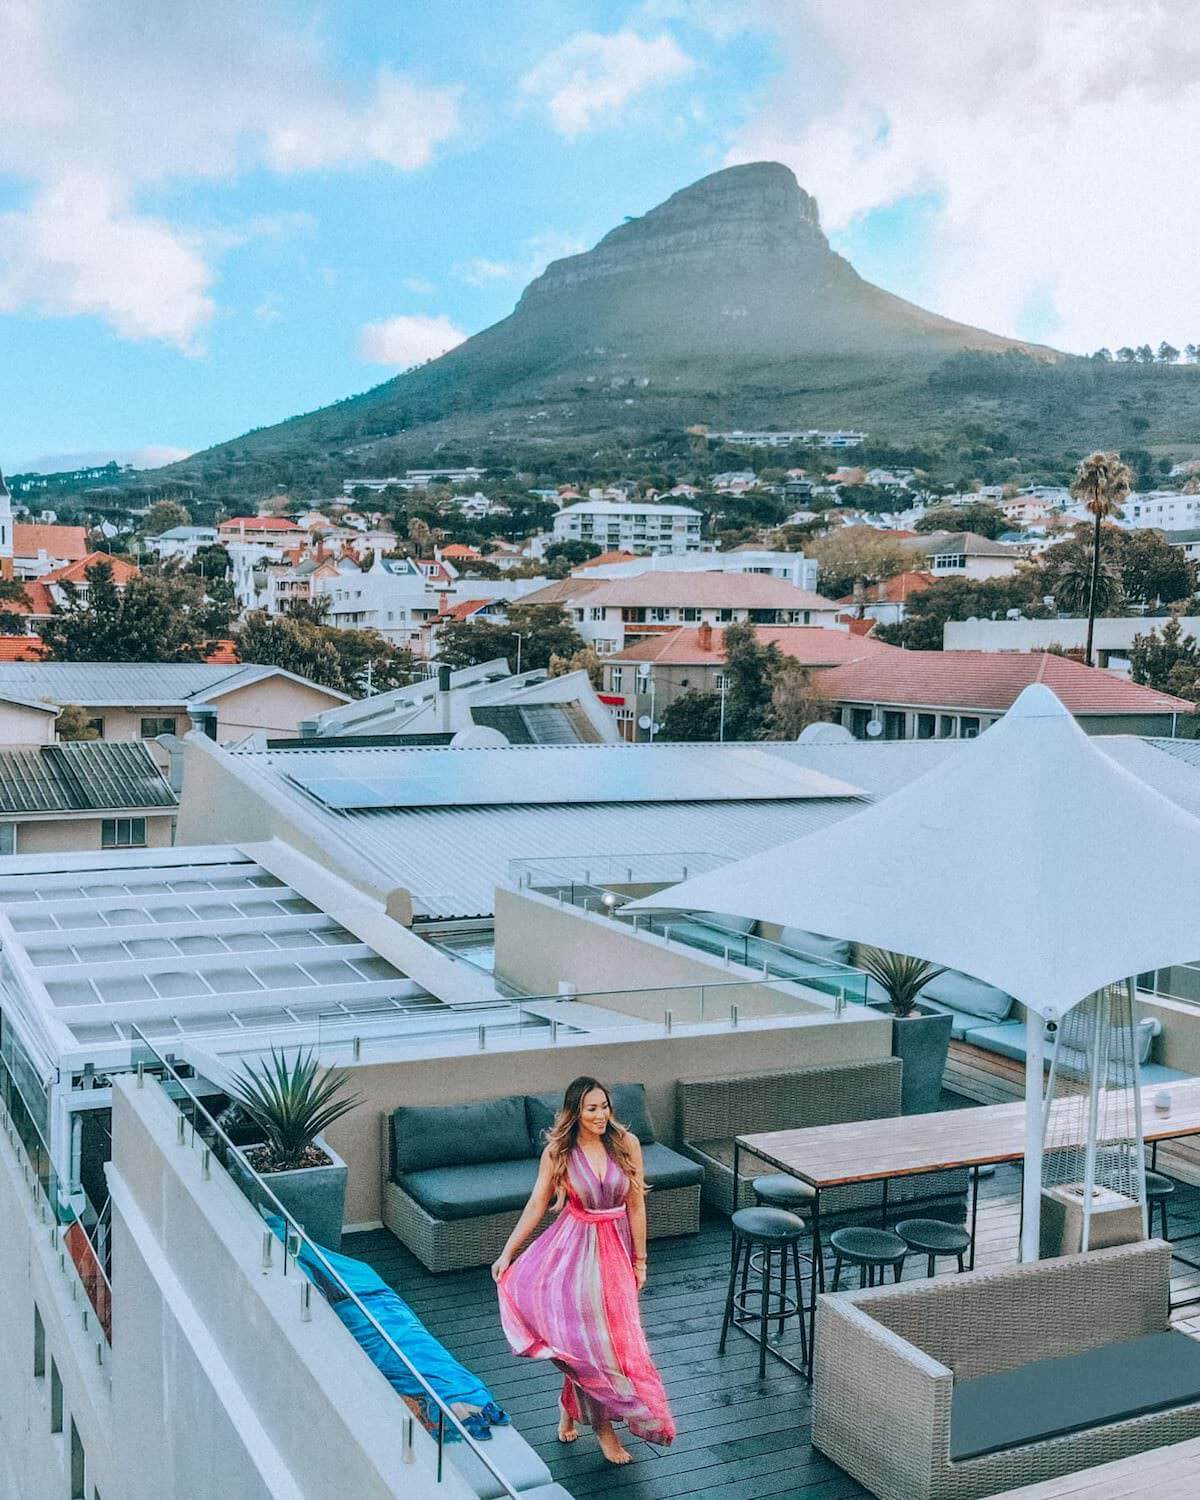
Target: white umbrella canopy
(1031,860)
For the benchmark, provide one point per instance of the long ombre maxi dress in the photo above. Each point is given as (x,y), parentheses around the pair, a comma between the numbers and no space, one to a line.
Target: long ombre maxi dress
(572,1297)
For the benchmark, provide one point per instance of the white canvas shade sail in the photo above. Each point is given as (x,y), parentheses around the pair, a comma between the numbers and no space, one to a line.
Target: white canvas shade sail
(1030,860)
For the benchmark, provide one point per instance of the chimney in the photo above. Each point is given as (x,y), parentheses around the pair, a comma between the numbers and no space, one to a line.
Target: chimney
(443,699)
(704,636)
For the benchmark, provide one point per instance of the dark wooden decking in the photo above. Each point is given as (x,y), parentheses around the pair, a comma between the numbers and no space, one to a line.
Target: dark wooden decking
(738,1440)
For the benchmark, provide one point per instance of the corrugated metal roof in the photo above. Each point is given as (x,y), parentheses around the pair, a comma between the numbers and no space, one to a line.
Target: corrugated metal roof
(108,684)
(83,777)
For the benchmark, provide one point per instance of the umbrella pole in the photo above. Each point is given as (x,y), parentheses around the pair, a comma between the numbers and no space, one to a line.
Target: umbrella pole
(1031,1186)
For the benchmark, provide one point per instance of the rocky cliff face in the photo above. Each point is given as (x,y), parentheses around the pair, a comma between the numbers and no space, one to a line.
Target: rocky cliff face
(751,216)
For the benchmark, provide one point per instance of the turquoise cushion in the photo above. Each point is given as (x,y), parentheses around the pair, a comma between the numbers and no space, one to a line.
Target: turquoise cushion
(1007,1039)
(961,1024)
(628,1102)
(469,1192)
(960,992)
(726,924)
(1155,1073)
(833,950)
(459,1134)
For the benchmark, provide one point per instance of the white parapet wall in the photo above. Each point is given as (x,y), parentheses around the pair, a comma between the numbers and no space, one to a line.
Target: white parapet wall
(219,1387)
(1113,637)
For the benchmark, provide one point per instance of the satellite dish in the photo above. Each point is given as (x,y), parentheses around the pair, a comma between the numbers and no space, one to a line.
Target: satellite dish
(478,737)
(645,721)
(874,729)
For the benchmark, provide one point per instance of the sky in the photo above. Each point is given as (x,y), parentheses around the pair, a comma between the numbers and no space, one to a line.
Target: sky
(215,214)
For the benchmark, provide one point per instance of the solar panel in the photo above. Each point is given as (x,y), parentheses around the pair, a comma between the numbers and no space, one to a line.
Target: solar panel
(487,778)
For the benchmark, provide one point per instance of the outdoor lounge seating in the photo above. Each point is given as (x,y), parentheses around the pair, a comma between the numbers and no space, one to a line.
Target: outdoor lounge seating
(712,1111)
(457,1176)
(965,1386)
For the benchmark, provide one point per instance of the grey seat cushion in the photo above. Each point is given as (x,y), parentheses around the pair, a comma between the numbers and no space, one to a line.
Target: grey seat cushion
(961,992)
(457,1134)
(666,1169)
(511,1454)
(1007,1039)
(962,1023)
(815,945)
(628,1102)
(726,923)
(1052,1397)
(469,1192)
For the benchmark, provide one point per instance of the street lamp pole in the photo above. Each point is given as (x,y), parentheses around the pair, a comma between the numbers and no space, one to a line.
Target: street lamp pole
(520,638)
(721,727)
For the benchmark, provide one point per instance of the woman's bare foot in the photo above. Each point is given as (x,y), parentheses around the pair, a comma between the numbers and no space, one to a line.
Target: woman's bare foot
(566,1428)
(610,1445)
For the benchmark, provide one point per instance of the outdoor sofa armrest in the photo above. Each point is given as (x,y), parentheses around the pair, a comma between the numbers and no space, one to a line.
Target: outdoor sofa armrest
(881,1406)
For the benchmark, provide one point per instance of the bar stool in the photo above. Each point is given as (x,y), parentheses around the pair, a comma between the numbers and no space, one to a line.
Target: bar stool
(782,1191)
(870,1250)
(934,1238)
(1158,1190)
(766,1232)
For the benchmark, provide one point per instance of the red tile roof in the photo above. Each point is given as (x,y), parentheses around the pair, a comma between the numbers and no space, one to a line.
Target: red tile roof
(457,549)
(991,681)
(65,542)
(76,572)
(22,647)
(812,645)
(259,523)
(894,590)
(604,559)
(37,600)
(223,654)
(464,609)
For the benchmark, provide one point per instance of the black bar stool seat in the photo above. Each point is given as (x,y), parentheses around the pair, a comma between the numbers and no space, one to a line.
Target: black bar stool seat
(782,1191)
(934,1238)
(1158,1190)
(871,1250)
(759,1236)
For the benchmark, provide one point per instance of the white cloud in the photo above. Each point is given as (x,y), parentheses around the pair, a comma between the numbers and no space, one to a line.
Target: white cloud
(418,285)
(151,456)
(588,81)
(1059,143)
(206,91)
(409,339)
(479,271)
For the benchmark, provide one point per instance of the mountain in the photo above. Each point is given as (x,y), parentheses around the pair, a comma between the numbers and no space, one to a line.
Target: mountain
(723,306)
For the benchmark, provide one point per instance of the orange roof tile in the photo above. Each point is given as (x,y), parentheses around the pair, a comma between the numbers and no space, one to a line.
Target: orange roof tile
(37,601)
(604,559)
(260,523)
(76,572)
(66,542)
(811,645)
(223,654)
(457,549)
(895,590)
(991,681)
(22,647)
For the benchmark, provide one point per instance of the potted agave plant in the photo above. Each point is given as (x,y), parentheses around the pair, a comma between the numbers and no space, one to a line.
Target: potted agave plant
(921,1038)
(290,1104)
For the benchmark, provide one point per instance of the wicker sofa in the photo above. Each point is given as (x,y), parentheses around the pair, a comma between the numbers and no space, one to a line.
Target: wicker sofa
(965,1386)
(456,1177)
(712,1111)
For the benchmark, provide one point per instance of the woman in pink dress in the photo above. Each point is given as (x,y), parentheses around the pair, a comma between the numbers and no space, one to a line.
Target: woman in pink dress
(572,1297)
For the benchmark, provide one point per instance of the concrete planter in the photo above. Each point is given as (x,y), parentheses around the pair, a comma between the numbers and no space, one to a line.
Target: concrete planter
(922,1041)
(314,1196)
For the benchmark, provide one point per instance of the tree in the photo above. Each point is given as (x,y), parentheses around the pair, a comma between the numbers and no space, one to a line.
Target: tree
(1167,353)
(1191,353)
(1152,571)
(750,681)
(12,621)
(1169,663)
(209,562)
(156,617)
(1126,355)
(1077,585)
(1102,482)
(351,661)
(587,660)
(573,553)
(854,553)
(960,599)
(1145,355)
(796,701)
(544,629)
(75,723)
(983,519)
(163,515)
(1104,356)
(693,715)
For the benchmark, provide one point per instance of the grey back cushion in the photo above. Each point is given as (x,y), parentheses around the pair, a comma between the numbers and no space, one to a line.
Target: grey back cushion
(457,1135)
(834,950)
(960,992)
(628,1102)
(1076,1034)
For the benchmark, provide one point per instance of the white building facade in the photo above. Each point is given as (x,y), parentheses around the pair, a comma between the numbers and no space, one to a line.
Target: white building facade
(642,529)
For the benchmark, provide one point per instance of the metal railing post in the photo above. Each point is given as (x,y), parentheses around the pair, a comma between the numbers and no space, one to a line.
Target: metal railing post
(267,1241)
(733,1015)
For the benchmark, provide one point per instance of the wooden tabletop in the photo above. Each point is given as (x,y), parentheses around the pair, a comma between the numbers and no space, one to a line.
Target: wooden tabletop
(1171,1473)
(903,1146)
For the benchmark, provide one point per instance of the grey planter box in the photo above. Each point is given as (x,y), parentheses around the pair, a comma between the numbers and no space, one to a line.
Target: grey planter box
(921,1041)
(314,1196)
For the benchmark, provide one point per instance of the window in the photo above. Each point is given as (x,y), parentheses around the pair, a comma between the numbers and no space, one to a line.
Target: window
(616,677)
(659,614)
(968,729)
(56,1399)
(39,1345)
(926,724)
(123,833)
(724,616)
(98,726)
(950,560)
(894,724)
(690,612)
(152,728)
(78,1465)
(946,726)
(596,612)
(719,681)
(8,838)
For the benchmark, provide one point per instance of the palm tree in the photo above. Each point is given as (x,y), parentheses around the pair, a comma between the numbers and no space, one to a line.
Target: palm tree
(1102,482)
(1073,585)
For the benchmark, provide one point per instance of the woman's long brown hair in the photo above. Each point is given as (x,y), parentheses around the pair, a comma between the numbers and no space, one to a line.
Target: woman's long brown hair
(563,1136)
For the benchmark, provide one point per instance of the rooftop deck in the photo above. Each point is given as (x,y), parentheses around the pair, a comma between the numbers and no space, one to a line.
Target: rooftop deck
(737,1440)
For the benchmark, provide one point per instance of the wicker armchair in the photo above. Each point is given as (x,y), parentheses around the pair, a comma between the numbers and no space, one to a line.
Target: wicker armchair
(886,1361)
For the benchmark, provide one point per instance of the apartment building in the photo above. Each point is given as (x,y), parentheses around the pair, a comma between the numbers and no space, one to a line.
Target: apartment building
(613,613)
(794,567)
(267,531)
(630,527)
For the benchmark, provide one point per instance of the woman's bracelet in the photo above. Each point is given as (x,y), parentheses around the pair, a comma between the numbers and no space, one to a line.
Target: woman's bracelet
(639,1260)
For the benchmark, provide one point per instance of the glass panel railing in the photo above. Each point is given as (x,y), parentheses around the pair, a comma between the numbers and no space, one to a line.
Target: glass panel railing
(200,1130)
(84,1254)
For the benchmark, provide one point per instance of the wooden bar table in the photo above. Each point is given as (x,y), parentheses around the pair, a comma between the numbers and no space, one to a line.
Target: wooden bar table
(827,1156)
